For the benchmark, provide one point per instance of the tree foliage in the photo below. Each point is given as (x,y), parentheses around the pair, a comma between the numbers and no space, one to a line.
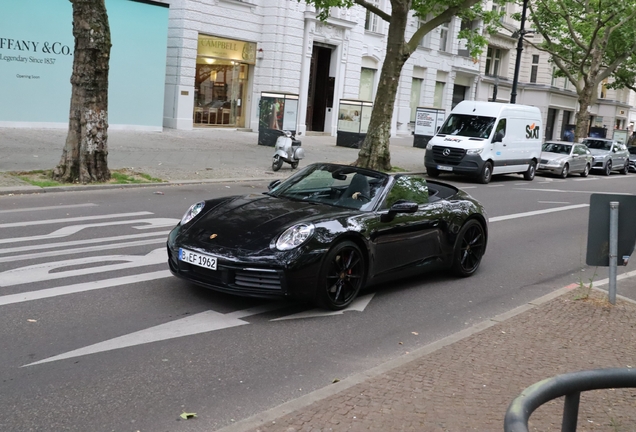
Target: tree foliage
(374,152)
(588,42)
(84,157)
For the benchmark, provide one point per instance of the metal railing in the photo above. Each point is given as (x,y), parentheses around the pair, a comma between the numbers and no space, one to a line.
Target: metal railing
(569,385)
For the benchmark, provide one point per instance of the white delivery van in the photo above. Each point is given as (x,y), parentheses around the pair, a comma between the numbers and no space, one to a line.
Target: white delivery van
(482,139)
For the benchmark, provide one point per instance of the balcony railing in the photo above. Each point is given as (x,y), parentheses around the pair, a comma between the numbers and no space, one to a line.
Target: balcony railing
(569,385)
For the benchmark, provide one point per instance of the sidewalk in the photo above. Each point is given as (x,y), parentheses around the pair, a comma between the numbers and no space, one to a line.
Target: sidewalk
(460,383)
(178,156)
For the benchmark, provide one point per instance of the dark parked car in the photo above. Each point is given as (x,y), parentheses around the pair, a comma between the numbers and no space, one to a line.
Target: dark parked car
(632,158)
(609,155)
(326,232)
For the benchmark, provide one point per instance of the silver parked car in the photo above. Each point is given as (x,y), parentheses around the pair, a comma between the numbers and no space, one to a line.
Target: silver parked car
(632,158)
(563,158)
(609,155)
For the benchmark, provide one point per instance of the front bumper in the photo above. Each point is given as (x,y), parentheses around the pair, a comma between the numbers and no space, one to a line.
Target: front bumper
(456,161)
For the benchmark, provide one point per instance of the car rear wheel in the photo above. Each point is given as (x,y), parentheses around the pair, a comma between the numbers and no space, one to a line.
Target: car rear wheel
(529,174)
(608,168)
(565,171)
(586,171)
(486,173)
(469,248)
(342,276)
(625,168)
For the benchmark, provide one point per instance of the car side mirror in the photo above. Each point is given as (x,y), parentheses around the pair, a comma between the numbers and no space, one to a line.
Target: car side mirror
(273,184)
(498,137)
(403,206)
(614,150)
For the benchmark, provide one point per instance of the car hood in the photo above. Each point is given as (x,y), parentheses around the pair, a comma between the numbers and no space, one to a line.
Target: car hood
(599,152)
(554,156)
(251,222)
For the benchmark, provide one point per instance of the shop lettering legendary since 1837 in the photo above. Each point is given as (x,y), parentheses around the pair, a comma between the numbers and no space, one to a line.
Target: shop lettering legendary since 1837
(26,46)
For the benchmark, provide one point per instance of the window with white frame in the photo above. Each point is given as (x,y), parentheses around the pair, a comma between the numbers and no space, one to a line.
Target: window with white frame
(493,61)
(367,81)
(425,42)
(500,8)
(443,36)
(534,70)
(416,92)
(438,98)
(603,92)
(554,78)
(372,22)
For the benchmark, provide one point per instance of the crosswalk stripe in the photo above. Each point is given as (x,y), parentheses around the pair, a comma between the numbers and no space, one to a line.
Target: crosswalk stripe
(58,207)
(74,219)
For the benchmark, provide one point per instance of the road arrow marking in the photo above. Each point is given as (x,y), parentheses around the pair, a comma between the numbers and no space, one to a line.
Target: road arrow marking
(203,322)
(358,305)
(42,272)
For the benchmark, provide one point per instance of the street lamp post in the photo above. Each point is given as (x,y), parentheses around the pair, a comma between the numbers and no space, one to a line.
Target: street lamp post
(522,32)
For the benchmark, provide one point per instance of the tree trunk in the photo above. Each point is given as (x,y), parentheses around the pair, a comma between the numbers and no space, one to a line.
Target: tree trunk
(374,152)
(84,158)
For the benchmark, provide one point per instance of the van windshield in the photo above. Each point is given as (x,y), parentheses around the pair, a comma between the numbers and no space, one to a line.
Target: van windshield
(468,125)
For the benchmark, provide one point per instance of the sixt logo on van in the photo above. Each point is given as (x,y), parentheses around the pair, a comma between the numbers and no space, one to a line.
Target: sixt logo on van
(532,131)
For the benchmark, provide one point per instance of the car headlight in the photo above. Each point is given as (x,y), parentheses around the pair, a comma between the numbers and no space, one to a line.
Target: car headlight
(194,210)
(294,236)
(474,151)
(429,146)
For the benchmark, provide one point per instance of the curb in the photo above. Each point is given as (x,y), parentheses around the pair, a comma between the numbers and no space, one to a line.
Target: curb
(270,415)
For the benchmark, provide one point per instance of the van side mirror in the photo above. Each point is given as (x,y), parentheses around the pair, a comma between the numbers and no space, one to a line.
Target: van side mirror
(498,137)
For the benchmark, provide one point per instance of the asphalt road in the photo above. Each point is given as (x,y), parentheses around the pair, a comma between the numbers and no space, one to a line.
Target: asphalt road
(96,334)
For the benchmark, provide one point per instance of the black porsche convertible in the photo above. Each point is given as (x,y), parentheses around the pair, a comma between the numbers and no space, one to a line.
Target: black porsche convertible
(326,232)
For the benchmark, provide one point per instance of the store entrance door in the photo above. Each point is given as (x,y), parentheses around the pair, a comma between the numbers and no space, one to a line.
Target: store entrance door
(220,87)
(321,87)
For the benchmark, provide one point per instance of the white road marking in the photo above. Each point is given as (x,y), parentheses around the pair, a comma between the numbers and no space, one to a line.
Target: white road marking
(42,272)
(81,287)
(74,219)
(73,229)
(358,305)
(81,242)
(494,185)
(553,202)
(203,322)
(32,209)
(29,256)
(536,212)
(573,191)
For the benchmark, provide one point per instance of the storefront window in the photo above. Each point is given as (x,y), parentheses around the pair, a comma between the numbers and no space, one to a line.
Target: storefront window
(220,87)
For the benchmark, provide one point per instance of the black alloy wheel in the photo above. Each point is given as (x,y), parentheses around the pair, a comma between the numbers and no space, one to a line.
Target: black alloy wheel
(625,169)
(529,174)
(342,276)
(608,168)
(469,248)
(277,162)
(586,171)
(486,173)
(565,171)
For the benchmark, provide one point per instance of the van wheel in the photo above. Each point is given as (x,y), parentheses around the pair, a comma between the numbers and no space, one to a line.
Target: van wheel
(529,174)
(486,173)
(432,172)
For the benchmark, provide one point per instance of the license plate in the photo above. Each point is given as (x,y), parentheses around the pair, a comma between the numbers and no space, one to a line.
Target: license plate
(197,259)
(444,168)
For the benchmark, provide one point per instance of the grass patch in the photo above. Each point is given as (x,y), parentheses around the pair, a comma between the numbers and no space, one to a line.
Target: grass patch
(44,178)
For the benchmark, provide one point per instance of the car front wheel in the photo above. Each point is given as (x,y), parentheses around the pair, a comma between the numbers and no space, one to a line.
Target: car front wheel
(625,168)
(608,168)
(565,171)
(469,248)
(586,171)
(342,276)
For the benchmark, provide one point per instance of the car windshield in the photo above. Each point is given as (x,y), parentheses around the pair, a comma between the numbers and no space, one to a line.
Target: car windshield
(598,144)
(471,126)
(337,185)
(557,148)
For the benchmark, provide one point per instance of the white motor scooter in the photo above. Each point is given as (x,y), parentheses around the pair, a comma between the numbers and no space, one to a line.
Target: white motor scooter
(287,149)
